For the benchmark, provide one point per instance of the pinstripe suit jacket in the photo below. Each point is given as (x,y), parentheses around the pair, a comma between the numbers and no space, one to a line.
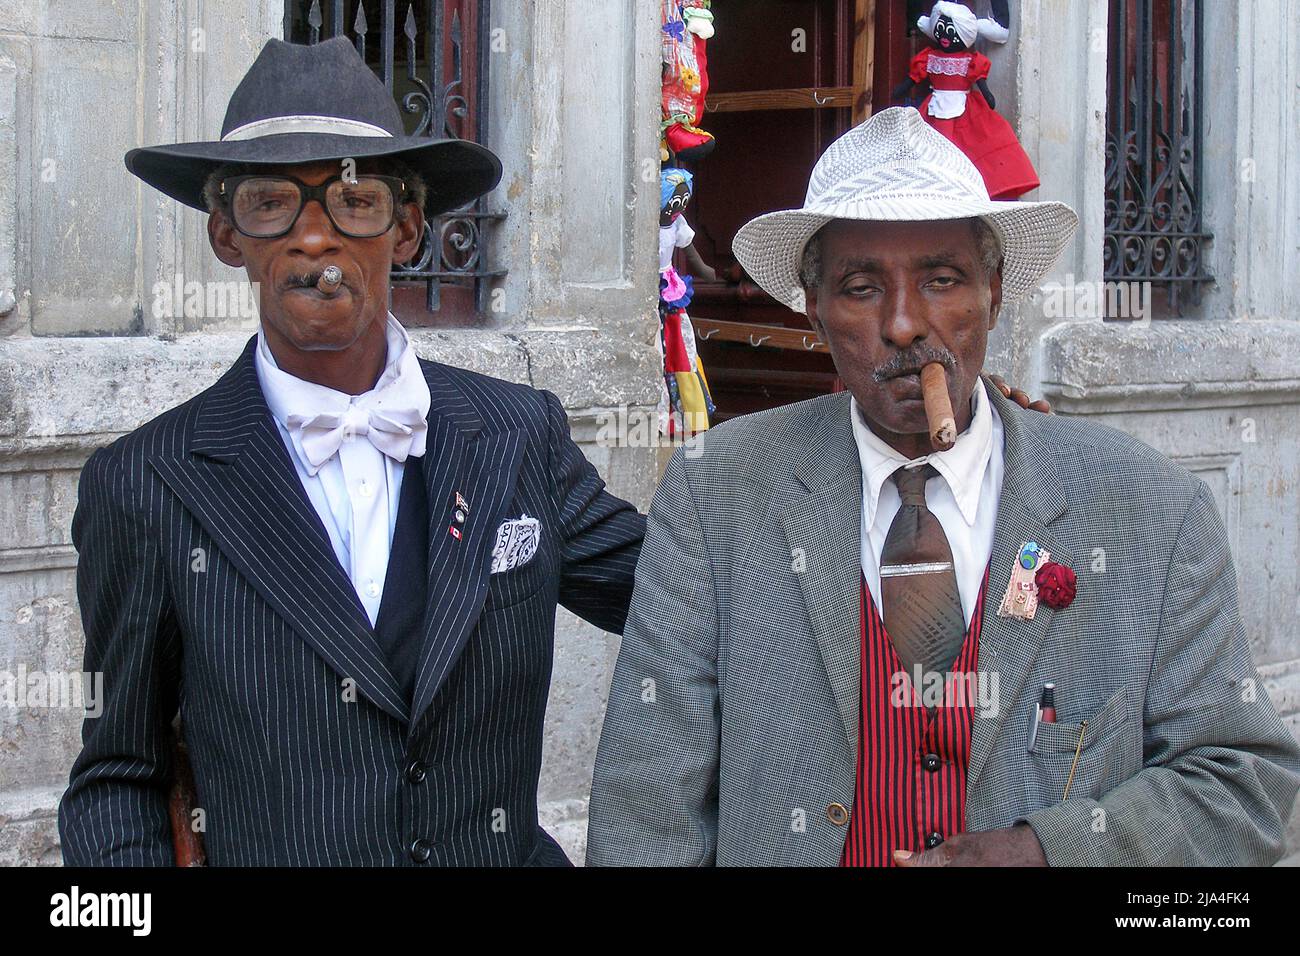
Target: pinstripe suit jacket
(207,582)
(733,714)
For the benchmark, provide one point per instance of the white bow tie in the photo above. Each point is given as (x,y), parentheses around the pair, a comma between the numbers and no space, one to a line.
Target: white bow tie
(397,431)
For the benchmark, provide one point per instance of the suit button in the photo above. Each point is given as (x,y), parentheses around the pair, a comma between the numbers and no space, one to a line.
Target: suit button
(837,814)
(930,762)
(932,840)
(416,772)
(421,851)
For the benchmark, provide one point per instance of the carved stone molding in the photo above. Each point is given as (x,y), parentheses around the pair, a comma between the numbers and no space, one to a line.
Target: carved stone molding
(1098,367)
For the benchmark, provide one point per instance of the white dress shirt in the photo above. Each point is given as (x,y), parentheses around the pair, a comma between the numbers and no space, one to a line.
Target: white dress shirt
(357,490)
(964,496)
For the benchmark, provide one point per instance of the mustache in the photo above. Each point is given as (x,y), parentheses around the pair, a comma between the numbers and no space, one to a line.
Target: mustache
(305,280)
(912,360)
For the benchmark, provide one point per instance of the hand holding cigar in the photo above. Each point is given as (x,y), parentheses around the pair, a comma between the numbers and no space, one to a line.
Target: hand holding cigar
(938,407)
(330,280)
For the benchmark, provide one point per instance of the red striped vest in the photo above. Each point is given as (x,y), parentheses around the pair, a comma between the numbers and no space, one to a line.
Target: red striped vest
(911,773)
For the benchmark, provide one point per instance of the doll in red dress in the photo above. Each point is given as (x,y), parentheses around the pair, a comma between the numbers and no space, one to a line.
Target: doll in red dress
(959,104)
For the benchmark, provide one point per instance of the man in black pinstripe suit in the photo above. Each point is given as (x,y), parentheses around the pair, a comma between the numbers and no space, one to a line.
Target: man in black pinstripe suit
(340,563)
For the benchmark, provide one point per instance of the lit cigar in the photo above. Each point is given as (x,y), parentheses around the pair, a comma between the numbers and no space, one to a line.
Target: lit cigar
(331,277)
(938,408)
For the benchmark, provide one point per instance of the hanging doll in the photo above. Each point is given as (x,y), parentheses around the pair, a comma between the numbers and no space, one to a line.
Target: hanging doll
(687,24)
(684,403)
(950,69)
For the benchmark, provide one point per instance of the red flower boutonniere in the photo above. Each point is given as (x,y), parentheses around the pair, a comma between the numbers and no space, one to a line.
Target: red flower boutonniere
(1056,585)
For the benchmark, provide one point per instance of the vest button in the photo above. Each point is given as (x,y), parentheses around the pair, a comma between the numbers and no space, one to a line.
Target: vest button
(837,814)
(421,851)
(416,772)
(931,762)
(932,840)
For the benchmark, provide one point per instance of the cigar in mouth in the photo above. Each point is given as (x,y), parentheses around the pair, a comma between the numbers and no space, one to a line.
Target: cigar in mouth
(938,407)
(330,280)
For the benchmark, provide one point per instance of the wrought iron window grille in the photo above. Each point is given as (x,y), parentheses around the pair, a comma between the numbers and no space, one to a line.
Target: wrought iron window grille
(1154,229)
(446,94)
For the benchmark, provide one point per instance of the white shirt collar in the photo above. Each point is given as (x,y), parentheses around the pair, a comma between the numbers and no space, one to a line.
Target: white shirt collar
(962,466)
(286,394)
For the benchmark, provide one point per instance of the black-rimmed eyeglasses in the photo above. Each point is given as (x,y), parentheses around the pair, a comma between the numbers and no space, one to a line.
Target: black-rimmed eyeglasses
(266,207)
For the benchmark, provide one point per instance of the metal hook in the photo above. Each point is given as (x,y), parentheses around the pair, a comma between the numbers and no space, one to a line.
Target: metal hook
(820,102)
(807,346)
(759,342)
(707,335)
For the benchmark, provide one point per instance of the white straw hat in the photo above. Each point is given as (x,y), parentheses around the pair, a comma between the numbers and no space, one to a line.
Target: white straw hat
(895,167)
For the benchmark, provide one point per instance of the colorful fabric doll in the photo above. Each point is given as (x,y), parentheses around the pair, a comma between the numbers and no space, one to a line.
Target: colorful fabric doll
(684,403)
(699,19)
(950,68)
(687,24)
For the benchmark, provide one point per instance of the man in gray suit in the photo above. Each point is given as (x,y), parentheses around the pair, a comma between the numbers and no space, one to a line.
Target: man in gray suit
(810,673)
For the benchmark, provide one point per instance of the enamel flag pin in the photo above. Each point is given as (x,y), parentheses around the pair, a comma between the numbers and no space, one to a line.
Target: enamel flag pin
(458,515)
(1021,599)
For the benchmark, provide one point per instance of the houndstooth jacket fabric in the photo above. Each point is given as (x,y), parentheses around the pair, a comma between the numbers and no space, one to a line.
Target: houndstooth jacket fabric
(734,710)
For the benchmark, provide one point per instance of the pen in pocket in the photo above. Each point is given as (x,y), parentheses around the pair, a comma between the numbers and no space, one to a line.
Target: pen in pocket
(1044,713)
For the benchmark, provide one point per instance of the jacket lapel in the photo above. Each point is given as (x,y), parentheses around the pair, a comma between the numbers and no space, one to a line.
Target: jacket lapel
(482,467)
(825,525)
(240,484)
(1031,499)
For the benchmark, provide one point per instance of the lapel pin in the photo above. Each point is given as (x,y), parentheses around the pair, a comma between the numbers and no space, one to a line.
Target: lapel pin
(458,515)
(1021,599)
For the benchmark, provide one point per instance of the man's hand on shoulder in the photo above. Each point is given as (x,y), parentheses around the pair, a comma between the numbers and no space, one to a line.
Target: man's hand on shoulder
(1020,397)
(1010,846)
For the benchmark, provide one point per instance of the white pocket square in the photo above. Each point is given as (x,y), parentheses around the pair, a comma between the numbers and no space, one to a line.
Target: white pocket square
(516,543)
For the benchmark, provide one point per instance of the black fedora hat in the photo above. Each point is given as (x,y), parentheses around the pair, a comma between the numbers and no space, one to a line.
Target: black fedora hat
(302,104)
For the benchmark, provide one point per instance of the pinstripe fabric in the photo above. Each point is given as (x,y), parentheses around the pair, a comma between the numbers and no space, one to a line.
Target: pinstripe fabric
(901,800)
(207,582)
(734,709)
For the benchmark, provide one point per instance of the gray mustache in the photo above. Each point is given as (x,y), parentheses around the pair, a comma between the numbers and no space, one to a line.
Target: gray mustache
(912,361)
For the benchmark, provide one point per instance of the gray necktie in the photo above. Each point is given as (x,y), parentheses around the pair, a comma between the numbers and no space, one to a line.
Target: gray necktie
(918,587)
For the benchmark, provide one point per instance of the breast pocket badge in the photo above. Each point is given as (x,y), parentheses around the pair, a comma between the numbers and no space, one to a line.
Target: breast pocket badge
(516,543)
(1021,599)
